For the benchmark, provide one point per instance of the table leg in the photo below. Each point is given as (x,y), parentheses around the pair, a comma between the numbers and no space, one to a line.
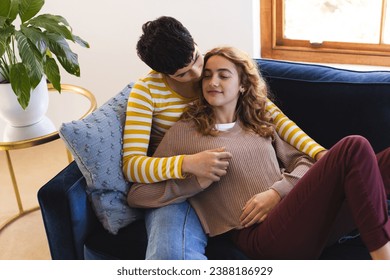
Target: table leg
(22,212)
(70,156)
(14,183)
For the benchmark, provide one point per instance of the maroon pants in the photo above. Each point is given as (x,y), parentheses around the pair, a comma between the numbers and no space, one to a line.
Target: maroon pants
(345,190)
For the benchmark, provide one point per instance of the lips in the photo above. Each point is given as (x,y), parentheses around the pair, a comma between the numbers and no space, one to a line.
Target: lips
(213,92)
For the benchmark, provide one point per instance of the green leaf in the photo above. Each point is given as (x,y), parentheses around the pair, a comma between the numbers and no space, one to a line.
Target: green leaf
(57,18)
(29,8)
(5,35)
(5,50)
(52,72)
(52,24)
(20,83)
(80,41)
(31,57)
(3,43)
(4,70)
(68,59)
(36,36)
(3,20)
(2,48)
(14,10)
(5,6)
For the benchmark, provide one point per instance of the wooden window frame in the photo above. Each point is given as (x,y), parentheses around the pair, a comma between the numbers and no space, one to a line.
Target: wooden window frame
(274,46)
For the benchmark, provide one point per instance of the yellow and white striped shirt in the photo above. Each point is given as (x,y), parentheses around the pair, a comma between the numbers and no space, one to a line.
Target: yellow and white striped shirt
(153,107)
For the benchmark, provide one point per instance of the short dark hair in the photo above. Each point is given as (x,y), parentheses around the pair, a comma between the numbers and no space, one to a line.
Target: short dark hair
(165,45)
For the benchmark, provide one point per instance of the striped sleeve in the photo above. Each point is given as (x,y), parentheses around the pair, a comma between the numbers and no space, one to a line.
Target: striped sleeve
(291,133)
(137,166)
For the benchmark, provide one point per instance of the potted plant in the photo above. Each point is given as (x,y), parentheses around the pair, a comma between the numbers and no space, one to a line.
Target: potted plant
(31,45)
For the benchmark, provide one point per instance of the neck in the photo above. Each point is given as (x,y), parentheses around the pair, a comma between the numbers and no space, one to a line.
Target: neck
(224,117)
(187,90)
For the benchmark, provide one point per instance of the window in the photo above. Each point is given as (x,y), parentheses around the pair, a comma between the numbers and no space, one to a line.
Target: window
(326,31)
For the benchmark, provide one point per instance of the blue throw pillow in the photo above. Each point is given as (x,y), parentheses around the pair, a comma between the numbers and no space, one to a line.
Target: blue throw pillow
(96,145)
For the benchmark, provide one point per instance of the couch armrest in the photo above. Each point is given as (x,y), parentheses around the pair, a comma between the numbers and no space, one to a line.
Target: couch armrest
(66,212)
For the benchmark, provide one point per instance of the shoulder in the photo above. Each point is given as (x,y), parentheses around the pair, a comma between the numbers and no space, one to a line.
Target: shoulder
(153,78)
(147,87)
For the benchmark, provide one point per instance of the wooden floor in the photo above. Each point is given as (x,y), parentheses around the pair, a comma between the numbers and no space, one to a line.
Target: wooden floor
(25,238)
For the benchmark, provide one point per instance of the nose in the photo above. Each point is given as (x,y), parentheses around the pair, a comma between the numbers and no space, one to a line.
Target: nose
(213,81)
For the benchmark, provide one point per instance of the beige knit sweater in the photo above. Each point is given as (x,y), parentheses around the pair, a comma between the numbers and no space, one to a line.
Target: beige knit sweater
(257,164)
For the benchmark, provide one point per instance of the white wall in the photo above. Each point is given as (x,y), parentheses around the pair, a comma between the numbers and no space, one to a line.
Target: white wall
(112,28)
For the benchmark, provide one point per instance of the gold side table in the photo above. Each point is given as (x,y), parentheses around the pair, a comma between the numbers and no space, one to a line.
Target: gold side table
(63,112)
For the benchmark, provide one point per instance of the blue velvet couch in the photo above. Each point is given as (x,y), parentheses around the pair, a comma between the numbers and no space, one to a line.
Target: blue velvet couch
(327,103)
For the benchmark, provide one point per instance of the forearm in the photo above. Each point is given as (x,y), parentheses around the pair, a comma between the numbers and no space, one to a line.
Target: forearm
(294,165)
(292,133)
(144,169)
(163,193)
(290,179)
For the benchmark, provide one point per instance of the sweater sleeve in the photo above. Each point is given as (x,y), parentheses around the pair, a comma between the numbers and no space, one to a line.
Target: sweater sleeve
(163,193)
(137,166)
(291,133)
(294,165)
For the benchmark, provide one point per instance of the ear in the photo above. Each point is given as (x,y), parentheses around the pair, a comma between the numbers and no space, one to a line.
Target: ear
(242,89)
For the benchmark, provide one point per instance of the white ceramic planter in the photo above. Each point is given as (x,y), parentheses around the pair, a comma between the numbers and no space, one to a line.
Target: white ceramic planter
(12,112)
(13,133)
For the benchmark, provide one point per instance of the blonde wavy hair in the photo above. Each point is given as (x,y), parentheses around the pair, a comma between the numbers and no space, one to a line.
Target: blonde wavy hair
(251,104)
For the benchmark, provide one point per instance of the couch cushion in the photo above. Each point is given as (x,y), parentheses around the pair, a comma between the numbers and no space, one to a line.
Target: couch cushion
(96,145)
(130,244)
(341,101)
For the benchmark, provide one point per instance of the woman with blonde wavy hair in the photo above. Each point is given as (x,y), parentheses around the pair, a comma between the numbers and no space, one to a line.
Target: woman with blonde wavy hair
(273,200)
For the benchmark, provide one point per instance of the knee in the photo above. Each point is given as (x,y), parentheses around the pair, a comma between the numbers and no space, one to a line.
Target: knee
(356,142)
(356,148)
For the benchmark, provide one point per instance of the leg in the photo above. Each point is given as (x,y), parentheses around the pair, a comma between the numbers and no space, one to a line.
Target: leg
(300,226)
(174,233)
(384,167)
(345,222)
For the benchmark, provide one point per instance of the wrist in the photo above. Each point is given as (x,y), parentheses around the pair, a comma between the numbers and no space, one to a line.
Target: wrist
(186,166)
(276,196)
(320,155)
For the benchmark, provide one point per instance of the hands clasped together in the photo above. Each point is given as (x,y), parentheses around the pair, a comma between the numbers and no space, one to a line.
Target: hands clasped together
(210,165)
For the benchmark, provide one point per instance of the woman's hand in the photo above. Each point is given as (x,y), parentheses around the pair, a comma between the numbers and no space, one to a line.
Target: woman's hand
(257,208)
(208,166)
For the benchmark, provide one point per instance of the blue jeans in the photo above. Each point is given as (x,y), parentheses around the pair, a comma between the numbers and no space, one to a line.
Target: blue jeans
(174,233)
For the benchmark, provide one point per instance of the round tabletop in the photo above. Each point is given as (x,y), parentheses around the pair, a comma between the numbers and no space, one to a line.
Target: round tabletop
(72,103)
